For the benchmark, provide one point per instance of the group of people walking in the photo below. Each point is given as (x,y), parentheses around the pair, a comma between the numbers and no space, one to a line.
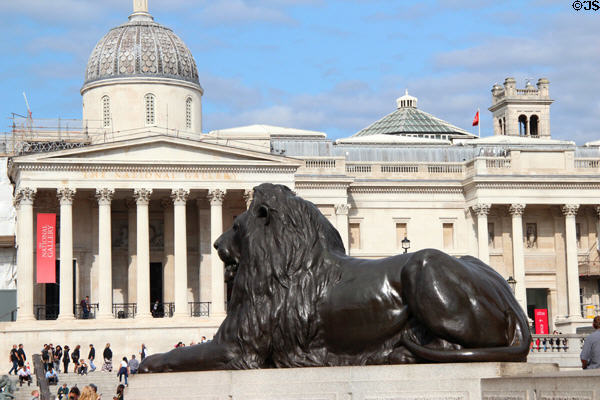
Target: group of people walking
(55,356)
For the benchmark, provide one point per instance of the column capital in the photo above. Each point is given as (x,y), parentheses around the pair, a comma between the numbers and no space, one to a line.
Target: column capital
(216,197)
(248,197)
(65,195)
(104,196)
(142,196)
(179,196)
(570,210)
(25,196)
(516,210)
(481,209)
(342,209)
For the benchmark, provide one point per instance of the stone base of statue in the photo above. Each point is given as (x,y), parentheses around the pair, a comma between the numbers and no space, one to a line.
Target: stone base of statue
(420,381)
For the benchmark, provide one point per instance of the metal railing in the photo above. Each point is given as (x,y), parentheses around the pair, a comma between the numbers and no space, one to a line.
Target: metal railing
(45,311)
(163,310)
(13,315)
(79,314)
(199,308)
(124,310)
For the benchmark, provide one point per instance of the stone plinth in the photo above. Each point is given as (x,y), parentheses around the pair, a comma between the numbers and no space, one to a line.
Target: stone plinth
(572,385)
(423,381)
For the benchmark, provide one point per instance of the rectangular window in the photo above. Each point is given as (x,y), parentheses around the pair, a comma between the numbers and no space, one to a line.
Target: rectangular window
(448,229)
(354,235)
(401,233)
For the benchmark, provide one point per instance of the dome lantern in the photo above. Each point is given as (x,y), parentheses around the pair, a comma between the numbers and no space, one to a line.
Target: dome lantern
(140,11)
(406,101)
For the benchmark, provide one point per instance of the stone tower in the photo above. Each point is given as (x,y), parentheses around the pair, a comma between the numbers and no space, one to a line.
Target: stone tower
(521,112)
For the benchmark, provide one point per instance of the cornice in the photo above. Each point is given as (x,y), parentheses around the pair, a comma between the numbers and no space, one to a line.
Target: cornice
(321,185)
(121,167)
(536,185)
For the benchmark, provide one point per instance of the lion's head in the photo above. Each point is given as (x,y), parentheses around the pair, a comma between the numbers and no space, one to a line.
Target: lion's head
(279,228)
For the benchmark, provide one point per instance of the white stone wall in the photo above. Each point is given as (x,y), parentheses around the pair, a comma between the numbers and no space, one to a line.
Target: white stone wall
(7,228)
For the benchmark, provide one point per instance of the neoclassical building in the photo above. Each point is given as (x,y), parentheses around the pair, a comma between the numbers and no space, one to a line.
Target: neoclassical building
(141,193)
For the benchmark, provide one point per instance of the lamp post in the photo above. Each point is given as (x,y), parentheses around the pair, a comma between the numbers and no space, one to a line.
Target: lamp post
(405,244)
(512,283)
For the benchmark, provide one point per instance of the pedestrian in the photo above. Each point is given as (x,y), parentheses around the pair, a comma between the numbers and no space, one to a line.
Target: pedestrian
(203,339)
(83,368)
(24,375)
(590,354)
(107,354)
(46,356)
(85,307)
(35,395)
(91,357)
(58,352)
(51,376)
(144,352)
(75,355)
(133,365)
(87,393)
(120,390)
(63,391)
(14,359)
(22,356)
(74,393)
(123,370)
(155,309)
(66,359)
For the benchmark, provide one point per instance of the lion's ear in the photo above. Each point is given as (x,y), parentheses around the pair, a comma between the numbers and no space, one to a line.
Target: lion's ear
(263,212)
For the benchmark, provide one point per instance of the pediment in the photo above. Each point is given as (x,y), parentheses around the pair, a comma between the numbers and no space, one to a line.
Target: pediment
(158,150)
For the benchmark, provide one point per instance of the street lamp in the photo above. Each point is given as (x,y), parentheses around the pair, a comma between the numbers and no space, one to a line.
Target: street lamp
(512,283)
(405,244)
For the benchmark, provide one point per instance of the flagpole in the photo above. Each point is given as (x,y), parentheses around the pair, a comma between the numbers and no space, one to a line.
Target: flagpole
(478,124)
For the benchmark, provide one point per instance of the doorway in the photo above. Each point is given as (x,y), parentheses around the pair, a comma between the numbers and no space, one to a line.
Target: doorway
(536,299)
(156,282)
(52,296)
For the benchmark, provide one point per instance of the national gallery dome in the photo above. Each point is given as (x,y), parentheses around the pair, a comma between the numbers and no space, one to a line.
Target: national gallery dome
(141,78)
(141,47)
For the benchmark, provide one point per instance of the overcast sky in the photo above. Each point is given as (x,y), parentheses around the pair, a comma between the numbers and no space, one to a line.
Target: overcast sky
(333,66)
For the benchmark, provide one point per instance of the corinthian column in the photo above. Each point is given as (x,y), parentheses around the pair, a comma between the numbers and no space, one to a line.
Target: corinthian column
(570,212)
(104,197)
(341,217)
(517,210)
(24,202)
(482,211)
(217,307)
(180,197)
(65,196)
(142,199)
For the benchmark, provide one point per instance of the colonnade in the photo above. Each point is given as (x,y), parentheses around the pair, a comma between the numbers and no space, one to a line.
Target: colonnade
(24,199)
(516,211)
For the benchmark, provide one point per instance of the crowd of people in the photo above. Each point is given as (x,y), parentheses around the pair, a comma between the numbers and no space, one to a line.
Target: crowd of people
(56,360)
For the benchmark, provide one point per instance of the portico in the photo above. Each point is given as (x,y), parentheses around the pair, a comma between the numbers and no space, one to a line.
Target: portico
(138,232)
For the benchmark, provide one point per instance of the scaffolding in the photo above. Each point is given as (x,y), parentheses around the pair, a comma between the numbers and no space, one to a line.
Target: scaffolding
(27,135)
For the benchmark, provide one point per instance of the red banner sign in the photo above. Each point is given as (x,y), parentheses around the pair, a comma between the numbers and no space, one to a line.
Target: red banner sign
(46,248)
(541,321)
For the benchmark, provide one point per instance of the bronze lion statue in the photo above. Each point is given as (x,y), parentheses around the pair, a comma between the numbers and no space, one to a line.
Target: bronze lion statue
(299,301)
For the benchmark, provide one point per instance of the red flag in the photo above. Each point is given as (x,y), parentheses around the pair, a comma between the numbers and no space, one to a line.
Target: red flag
(46,246)
(476,119)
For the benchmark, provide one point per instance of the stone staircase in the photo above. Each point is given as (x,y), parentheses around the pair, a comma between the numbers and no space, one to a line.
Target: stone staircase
(107,383)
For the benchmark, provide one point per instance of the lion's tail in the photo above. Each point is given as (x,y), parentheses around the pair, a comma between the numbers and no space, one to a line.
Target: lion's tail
(516,352)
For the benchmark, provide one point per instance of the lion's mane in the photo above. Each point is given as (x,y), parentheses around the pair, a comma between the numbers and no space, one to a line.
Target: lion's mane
(282,276)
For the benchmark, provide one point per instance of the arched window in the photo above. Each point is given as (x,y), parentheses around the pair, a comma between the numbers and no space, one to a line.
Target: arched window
(188,113)
(534,125)
(105,111)
(150,117)
(522,125)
